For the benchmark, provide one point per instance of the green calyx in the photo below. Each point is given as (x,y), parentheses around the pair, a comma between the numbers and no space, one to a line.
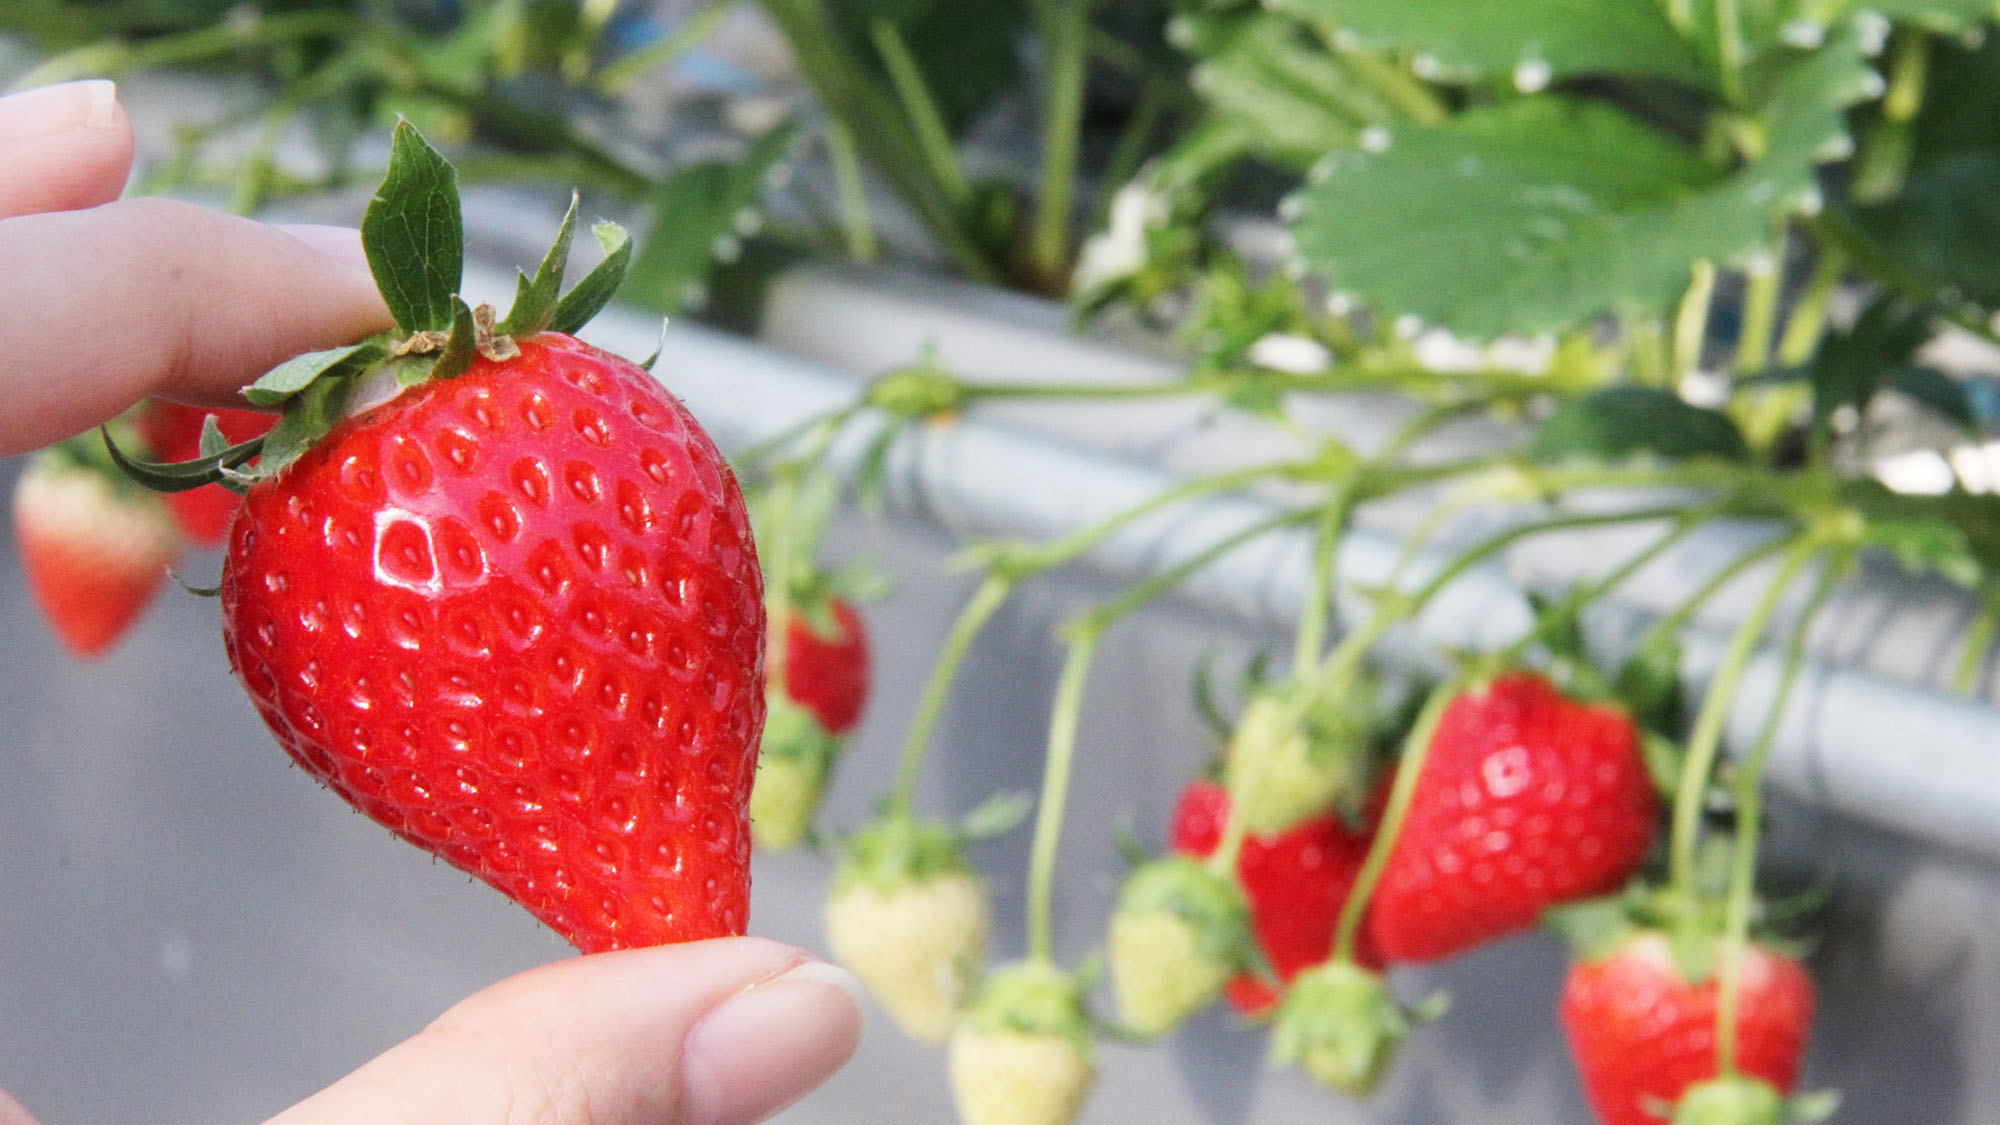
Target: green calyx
(1030,998)
(1210,903)
(1341,1023)
(414,237)
(897,850)
(1742,1099)
(1293,756)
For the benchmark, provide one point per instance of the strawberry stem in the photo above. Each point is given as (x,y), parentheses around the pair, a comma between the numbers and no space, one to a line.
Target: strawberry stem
(1416,746)
(985,601)
(1706,740)
(1063,720)
(1749,829)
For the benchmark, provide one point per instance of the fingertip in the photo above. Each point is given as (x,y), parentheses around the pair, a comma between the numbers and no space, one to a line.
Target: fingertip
(771,1044)
(63,148)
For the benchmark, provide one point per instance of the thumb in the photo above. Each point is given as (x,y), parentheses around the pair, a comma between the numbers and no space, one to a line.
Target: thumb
(722,1032)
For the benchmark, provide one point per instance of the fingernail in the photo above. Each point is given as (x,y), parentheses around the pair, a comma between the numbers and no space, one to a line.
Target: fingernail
(767,1046)
(48,110)
(342,244)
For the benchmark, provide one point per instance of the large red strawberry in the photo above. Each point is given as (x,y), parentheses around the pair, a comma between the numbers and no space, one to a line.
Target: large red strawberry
(826,664)
(174,429)
(1642,1032)
(1297,881)
(1526,799)
(497,588)
(94,546)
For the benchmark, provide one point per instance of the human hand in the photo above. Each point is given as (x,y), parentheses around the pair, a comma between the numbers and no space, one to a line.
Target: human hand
(103,303)
(720,1032)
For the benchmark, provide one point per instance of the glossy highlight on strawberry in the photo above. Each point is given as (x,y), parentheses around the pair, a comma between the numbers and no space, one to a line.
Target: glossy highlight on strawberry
(516,616)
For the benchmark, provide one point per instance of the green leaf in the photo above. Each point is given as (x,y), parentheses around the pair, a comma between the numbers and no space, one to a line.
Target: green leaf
(1533,40)
(163,476)
(700,212)
(1540,214)
(307,418)
(967,51)
(297,373)
(535,299)
(414,235)
(1944,226)
(1623,423)
(597,287)
(1852,365)
(461,347)
(1283,95)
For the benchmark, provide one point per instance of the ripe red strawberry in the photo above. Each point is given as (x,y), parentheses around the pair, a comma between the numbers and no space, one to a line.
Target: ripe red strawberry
(1642,1032)
(174,431)
(94,546)
(497,588)
(1526,799)
(1296,880)
(826,664)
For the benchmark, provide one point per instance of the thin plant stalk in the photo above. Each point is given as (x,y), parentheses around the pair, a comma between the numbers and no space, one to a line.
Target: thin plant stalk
(984,603)
(1705,741)
(1749,830)
(1056,768)
(1410,766)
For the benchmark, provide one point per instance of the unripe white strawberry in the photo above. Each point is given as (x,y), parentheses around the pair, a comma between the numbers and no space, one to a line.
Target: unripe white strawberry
(909,916)
(1021,1054)
(792,769)
(1180,931)
(1292,757)
(1341,1023)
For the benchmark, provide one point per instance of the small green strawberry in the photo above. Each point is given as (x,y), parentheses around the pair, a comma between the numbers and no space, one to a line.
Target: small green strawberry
(1343,1025)
(1295,755)
(1021,1055)
(909,916)
(792,772)
(1180,932)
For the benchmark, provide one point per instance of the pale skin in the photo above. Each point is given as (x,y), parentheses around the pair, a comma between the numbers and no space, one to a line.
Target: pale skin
(104,301)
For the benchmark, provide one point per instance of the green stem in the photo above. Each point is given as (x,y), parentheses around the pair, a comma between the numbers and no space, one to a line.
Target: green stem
(1691,321)
(1762,281)
(1749,831)
(855,222)
(875,121)
(1676,620)
(616,75)
(1807,321)
(1133,597)
(985,601)
(1403,91)
(1416,747)
(1978,640)
(1585,594)
(921,110)
(1065,32)
(1319,594)
(110,59)
(1705,741)
(1063,720)
(1729,50)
